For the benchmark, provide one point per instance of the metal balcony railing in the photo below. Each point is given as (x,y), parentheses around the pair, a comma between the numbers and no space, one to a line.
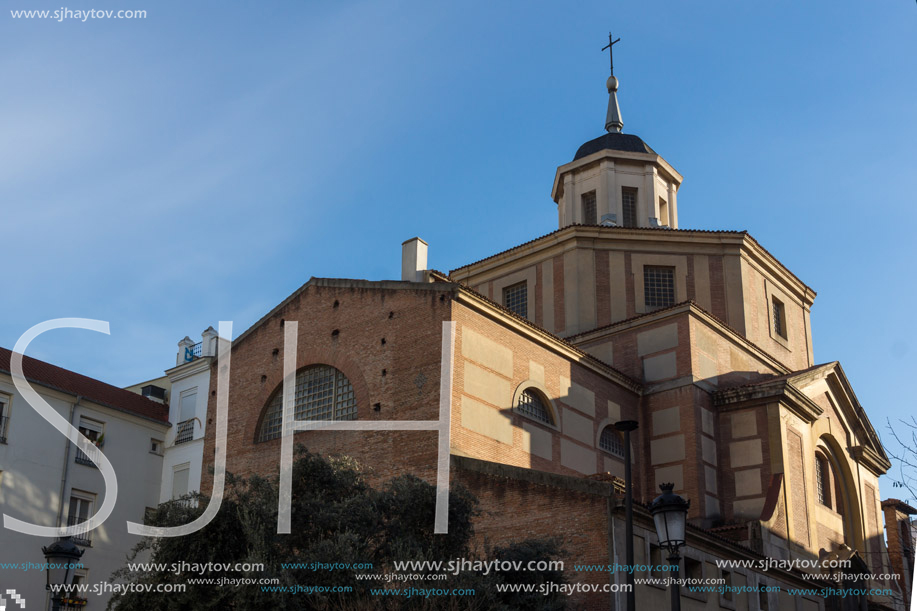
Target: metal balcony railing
(86,459)
(197,349)
(184,432)
(4,420)
(84,536)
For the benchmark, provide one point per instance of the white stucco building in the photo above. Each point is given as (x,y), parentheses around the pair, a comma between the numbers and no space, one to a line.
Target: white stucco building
(190,387)
(46,480)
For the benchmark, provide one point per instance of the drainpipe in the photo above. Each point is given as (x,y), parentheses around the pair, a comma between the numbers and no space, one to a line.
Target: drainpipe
(63,481)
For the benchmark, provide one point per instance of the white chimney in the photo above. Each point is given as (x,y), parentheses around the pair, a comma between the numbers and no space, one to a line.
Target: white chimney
(185,351)
(413,260)
(209,342)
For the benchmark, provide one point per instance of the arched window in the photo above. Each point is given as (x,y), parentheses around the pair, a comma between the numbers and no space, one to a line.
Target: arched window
(533,405)
(611,441)
(822,480)
(321,393)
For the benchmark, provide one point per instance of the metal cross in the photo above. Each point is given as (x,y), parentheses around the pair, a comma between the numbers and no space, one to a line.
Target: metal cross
(611,52)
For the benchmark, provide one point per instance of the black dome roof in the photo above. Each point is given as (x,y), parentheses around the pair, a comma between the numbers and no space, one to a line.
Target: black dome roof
(615,142)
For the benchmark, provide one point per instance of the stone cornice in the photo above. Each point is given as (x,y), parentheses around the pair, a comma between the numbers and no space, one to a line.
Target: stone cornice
(186,370)
(767,392)
(653,158)
(871,459)
(739,243)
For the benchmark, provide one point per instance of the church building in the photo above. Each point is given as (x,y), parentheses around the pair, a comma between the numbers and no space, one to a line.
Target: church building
(532,354)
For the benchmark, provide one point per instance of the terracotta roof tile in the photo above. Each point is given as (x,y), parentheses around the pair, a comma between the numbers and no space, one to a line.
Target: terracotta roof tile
(64,380)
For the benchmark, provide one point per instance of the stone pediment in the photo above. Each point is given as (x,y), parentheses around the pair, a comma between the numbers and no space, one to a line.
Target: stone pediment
(817,393)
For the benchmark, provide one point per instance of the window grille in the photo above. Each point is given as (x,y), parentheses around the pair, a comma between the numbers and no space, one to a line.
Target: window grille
(822,485)
(611,442)
(779,317)
(589,213)
(516,299)
(321,393)
(658,287)
(532,405)
(629,205)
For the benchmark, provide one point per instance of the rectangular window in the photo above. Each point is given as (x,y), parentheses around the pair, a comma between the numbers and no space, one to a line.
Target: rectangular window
(656,562)
(663,212)
(4,416)
(658,287)
(727,582)
(589,214)
(694,569)
(156,446)
(762,598)
(779,315)
(629,205)
(516,299)
(184,431)
(181,475)
(821,481)
(95,432)
(80,510)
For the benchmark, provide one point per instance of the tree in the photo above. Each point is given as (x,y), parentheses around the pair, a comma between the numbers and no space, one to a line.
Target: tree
(337,518)
(904,432)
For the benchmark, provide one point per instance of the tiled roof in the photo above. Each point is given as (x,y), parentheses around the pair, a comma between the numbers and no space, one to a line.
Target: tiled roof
(615,142)
(64,380)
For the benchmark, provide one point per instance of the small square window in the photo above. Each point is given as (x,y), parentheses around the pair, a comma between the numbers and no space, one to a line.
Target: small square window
(589,213)
(658,287)
(778,313)
(156,446)
(516,299)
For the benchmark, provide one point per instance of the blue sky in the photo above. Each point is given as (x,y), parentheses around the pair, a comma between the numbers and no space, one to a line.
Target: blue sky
(204,162)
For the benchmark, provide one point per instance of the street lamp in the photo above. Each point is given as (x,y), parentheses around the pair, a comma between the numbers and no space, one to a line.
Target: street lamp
(60,557)
(670,513)
(627,427)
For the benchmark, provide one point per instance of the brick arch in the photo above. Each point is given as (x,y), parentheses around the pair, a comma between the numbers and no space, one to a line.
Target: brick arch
(312,358)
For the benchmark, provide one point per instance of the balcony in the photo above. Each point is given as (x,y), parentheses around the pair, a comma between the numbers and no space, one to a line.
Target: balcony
(184,431)
(4,420)
(82,458)
(86,459)
(84,535)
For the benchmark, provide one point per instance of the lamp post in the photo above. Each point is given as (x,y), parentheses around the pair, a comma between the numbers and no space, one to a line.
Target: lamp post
(670,513)
(626,427)
(59,558)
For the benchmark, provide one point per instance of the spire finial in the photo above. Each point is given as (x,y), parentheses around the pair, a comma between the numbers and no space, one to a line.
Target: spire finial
(613,122)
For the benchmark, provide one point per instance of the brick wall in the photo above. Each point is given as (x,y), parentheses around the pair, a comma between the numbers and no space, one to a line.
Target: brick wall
(343,326)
